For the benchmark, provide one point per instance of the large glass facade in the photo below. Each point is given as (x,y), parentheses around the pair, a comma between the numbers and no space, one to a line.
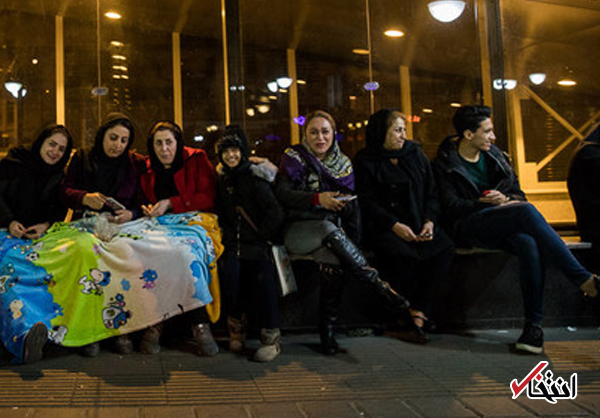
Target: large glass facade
(210,63)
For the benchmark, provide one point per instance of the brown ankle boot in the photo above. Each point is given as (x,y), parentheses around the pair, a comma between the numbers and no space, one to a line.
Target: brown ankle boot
(237,333)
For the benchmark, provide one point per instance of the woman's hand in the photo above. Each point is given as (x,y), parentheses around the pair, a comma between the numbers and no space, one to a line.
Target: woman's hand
(37,230)
(494,197)
(122,216)
(426,232)
(328,201)
(94,200)
(160,208)
(16,229)
(404,232)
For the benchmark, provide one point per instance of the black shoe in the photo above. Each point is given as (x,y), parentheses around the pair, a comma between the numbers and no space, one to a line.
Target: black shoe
(34,343)
(531,340)
(90,350)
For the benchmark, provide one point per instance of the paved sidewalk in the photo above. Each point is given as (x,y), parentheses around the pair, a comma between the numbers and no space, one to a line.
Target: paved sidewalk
(377,376)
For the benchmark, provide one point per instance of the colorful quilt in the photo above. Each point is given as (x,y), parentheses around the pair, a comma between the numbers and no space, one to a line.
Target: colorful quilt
(85,289)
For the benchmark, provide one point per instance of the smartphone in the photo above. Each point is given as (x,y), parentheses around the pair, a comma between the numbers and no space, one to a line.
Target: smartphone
(114,204)
(346,198)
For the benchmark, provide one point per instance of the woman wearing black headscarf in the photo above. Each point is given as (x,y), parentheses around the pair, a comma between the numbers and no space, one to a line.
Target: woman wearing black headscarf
(106,175)
(108,170)
(178,179)
(396,190)
(29,183)
(29,203)
(584,189)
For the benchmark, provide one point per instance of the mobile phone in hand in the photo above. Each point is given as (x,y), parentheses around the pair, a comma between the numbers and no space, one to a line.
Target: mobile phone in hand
(114,204)
(346,198)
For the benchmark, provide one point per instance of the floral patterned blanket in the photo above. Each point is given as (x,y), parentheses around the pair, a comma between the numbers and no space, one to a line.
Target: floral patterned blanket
(85,289)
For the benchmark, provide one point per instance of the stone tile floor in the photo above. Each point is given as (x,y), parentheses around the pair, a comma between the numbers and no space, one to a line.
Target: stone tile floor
(465,375)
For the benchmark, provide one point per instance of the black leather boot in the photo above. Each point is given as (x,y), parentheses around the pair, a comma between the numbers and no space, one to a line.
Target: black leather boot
(353,260)
(330,298)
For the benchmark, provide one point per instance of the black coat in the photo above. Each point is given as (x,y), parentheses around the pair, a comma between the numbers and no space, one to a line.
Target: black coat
(584,187)
(403,192)
(29,188)
(31,199)
(246,188)
(459,195)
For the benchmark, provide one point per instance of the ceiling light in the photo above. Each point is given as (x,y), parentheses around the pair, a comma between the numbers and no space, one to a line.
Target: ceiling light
(250,112)
(506,84)
(34,61)
(199,138)
(393,33)
(116,43)
(273,97)
(301,82)
(272,86)
(352,97)
(567,82)
(13,87)
(455,104)
(427,110)
(371,86)
(446,10)
(263,108)
(119,57)
(537,78)
(360,51)
(112,15)
(284,82)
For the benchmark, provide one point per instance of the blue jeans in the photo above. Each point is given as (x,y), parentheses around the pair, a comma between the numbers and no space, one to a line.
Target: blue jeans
(520,229)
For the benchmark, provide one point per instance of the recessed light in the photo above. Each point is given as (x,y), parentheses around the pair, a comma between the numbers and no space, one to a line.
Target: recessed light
(360,51)
(567,82)
(394,33)
(112,15)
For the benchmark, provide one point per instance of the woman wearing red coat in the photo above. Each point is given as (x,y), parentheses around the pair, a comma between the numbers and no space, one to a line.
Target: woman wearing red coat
(178,179)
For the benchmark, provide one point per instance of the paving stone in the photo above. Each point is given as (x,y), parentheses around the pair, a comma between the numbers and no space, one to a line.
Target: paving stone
(389,408)
(60,412)
(220,411)
(332,409)
(589,402)
(277,409)
(445,407)
(16,412)
(168,411)
(117,412)
(493,406)
(560,408)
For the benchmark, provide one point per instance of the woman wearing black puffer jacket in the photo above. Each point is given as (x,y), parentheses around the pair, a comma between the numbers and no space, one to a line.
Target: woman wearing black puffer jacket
(251,218)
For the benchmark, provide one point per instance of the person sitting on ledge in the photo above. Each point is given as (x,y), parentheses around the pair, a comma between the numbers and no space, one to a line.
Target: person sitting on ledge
(315,185)
(485,207)
(584,189)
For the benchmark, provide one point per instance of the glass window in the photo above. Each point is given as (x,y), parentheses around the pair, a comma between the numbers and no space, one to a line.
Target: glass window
(27,72)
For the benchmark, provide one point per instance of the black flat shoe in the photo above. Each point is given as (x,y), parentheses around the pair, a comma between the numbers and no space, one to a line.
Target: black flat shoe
(34,343)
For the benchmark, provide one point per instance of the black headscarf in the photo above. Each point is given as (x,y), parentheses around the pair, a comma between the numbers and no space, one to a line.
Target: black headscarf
(31,194)
(164,186)
(105,172)
(28,160)
(376,133)
(234,137)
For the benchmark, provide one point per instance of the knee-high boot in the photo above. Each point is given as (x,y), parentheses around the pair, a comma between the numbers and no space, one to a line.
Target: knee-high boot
(330,298)
(353,260)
